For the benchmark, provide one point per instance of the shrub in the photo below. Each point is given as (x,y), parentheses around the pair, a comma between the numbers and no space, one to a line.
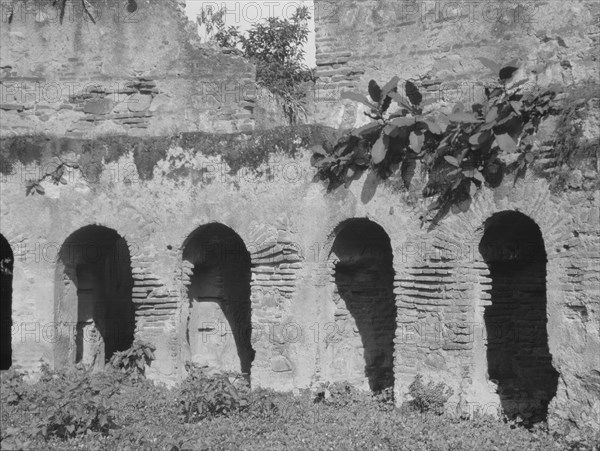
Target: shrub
(202,395)
(277,48)
(340,394)
(133,361)
(429,397)
(14,388)
(76,405)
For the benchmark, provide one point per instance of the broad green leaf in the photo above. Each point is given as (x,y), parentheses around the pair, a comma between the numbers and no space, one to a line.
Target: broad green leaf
(433,127)
(474,139)
(398,99)
(453,172)
(507,72)
(413,94)
(378,151)
(463,117)
(357,98)
(416,141)
(375,91)
(403,121)
(516,106)
(506,143)
(492,114)
(366,129)
(389,86)
(473,174)
(472,189)
(457,182)
(318,149)
(391,130)
(452,160)
(400,113)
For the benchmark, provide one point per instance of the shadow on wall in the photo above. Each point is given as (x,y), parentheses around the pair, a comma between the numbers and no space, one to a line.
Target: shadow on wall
(6,276)
(519,360)
(364,281)
(94,291)
(219,323)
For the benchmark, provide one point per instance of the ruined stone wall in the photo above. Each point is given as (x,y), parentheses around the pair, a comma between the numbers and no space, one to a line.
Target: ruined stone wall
(451,50)
(289,225)
(156,186)
(136,68)
(446,47)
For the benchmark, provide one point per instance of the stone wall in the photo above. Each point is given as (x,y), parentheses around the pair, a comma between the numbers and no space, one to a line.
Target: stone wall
(289,226)
(140,72)
(449,49)
(157,167)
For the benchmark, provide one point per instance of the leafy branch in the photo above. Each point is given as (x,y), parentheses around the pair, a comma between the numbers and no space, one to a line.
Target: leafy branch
(460,152)
(34,186)
(276,47)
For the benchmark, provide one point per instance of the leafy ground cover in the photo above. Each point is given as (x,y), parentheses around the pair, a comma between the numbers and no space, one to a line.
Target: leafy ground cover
(121,410)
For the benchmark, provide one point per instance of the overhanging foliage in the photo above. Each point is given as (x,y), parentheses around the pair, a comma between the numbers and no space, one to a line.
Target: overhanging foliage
(460,152)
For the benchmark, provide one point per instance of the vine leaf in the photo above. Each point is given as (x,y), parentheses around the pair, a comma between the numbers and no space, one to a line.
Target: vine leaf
(516,106)
(319,150)
(391,130)
(507,72)
(506,143)
(399,100)
(403,121)
(375,91)
(472,189)
(413,94)
(433,127)
(416,141)
(366,129)
(479,138)
(378,151)
(492,114)
(390,86)
(452,160)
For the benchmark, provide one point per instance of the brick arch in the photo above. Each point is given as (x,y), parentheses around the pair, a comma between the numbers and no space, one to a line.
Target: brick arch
(518,356)
(93,297)
(532,199)
(6,293)
(360,262)
(216,276)
(328,236)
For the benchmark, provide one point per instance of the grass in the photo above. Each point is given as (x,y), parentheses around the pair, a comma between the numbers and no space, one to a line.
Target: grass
(144,416)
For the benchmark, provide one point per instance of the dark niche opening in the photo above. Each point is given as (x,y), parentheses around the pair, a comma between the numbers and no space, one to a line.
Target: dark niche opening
(6,276)
(518,357)
(219,324)
(95,291)
(364,278)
